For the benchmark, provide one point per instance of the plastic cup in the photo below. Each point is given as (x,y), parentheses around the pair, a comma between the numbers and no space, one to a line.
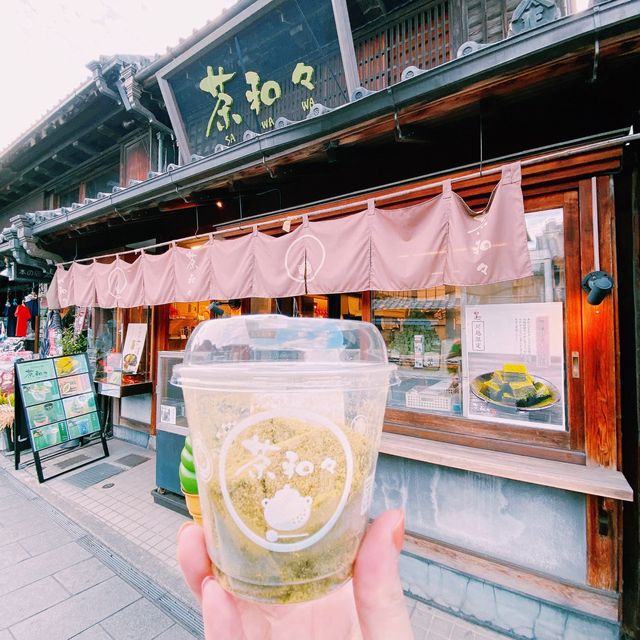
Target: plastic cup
(285,416)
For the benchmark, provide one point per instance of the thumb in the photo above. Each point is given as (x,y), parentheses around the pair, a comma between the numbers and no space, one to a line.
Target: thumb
(376,582)
(219,613)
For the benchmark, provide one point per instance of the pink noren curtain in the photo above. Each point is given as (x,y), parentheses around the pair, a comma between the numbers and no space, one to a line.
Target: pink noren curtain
(441,241)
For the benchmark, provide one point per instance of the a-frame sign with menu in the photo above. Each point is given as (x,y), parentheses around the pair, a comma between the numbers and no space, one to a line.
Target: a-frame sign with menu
(56,402)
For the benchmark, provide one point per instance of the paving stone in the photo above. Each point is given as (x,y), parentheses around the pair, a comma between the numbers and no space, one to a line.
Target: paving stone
(175,633)
(12,554)
(83,575)
(460,633)
(28,527)
(93,633)
(139,621)
(421,619)
(30,600)
(12,501)
(441,625)
(410,603)
(6,492)
(77,613)
(46,540)
(33,569)
(24,512)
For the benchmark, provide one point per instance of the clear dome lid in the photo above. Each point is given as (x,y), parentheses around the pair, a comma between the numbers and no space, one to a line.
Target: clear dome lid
(254,352)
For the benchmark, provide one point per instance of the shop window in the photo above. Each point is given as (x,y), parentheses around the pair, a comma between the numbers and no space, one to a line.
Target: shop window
(259,305)
(120,346)
(492,354)
(345,306)
(184,317)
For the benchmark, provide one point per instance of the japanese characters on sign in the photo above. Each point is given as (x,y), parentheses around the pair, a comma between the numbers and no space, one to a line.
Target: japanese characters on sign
(258,94)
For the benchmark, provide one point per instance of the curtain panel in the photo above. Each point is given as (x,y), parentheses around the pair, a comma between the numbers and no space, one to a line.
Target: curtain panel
(440,241)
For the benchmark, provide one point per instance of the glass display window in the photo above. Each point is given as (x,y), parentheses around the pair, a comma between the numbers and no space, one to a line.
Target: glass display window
(346,306)
(494,353)
(422,331)
(120,345)
(184,317)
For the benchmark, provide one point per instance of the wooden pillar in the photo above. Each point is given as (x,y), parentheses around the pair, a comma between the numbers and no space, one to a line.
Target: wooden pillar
(599,369)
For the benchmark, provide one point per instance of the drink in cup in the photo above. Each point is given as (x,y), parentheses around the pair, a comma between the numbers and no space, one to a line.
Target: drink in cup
(285,416)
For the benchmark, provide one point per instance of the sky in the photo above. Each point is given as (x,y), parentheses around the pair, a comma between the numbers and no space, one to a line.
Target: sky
(45,46)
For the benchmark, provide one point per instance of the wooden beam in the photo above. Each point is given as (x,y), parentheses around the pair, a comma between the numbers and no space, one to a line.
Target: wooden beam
(85,148)
(599,373)
(56,157)
(44,172)
(107,132)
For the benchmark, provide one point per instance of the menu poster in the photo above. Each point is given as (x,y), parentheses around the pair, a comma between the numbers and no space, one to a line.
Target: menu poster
(514,364)
(83,425)
(49,435)
(41,414)
(38,392)
(36,370)
(77,405)
(113,368)
(70,365)
(133,346)
(73,385)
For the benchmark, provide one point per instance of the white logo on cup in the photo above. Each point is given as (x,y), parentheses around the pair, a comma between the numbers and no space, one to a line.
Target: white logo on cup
(202,460)
(286,511)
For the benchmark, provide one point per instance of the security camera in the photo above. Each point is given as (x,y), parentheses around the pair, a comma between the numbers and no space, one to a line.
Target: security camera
(598,284)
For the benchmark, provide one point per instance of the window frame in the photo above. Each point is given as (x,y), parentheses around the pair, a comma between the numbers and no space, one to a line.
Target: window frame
(564,446)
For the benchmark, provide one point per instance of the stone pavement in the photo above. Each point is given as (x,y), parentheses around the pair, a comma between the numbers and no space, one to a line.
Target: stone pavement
(52,586)
(97,561)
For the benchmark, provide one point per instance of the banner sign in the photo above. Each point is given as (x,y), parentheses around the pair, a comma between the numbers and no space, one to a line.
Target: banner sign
(280,65)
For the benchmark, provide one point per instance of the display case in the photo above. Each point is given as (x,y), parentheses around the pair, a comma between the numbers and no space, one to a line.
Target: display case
(422,332)
(171,424)
(184,317)
(120,352)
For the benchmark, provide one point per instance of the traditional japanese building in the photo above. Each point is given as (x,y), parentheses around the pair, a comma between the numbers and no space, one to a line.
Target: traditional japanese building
(164,185)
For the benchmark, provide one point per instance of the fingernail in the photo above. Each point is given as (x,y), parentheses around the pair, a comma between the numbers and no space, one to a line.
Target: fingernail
(183,526)
(397,534)
(205,582)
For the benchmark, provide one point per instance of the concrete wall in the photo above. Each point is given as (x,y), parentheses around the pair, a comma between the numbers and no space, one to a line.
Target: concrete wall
(500,518)
(531,526)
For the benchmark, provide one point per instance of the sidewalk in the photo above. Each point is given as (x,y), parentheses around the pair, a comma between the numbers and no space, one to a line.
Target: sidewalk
(53,586)
(90,553)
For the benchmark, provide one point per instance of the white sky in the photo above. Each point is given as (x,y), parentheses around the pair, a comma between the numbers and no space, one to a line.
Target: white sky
(45,45)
